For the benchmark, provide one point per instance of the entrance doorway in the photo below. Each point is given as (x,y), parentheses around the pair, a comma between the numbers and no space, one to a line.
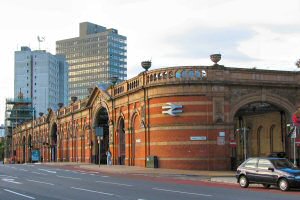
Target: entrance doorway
(101,120)
(260,129)
(54,143)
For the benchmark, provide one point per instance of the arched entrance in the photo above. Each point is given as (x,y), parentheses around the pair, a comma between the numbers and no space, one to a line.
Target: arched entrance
(136,125)
(100,123)
(260,129)
(121,142)
(29,148)
(53,143)
(24,150)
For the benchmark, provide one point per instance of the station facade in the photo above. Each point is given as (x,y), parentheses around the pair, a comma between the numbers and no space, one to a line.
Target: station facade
(197,117)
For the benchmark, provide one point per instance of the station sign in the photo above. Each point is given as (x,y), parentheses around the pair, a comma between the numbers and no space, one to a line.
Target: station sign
(198,138)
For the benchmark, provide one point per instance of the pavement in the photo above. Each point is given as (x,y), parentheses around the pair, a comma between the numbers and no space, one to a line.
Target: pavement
(195,175)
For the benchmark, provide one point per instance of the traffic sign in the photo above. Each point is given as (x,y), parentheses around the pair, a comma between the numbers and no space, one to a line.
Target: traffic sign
(232,143)
(297,142)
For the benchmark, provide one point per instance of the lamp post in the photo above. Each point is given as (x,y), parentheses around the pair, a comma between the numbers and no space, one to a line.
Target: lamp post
(244,131)
(293,133)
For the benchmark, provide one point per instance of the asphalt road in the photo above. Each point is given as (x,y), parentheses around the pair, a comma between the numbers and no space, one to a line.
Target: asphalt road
(31,181)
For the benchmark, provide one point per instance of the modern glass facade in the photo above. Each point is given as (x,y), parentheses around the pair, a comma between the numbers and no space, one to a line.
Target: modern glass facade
(93,57)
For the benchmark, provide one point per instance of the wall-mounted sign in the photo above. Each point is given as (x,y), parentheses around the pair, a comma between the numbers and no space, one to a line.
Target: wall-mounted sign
(222,134)
(201,138)
(171,109)
(99,131)
(221,140)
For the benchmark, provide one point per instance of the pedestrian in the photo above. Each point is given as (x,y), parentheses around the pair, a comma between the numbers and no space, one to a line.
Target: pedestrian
(108,157)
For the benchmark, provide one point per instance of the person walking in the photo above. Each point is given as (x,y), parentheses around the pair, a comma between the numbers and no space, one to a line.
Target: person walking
(108,157)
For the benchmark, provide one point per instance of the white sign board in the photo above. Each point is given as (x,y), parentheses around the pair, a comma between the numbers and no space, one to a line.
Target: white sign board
(222,134)
(195,138)
(138,140)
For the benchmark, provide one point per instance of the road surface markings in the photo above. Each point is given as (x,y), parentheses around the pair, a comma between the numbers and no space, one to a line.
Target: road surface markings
(104,176)
(95,172)
(45,170)
(69,177)
(29,197)
(121,184)
(10,180)
(39,182)
(39,173)
(206,195)
(25,170)
(29,165)
(8,176)
(109,194)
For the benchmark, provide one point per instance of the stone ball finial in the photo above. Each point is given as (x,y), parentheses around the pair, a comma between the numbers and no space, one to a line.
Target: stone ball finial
(215,58)
(60,105)
(146,64)
(73,99)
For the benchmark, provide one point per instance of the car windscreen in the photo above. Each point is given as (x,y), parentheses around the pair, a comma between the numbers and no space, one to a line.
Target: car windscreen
(282,163)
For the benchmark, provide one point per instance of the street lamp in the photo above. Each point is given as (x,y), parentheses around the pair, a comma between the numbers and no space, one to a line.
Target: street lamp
(244,131)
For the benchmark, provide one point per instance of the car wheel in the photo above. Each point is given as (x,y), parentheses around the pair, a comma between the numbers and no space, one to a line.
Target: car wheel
(283,184)
(266,186)
(244,183)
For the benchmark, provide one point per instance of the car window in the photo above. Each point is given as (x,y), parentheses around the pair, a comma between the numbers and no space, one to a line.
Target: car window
(282,163)
(251,163)
(264,164)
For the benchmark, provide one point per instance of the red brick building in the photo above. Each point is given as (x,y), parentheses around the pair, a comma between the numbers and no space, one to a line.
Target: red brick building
(186,116)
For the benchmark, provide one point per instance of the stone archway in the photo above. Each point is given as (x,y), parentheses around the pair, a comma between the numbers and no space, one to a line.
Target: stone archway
(121,141)
(24,149)
(100,122)
(53,143)
(29,142)
(261,125)
(135,126)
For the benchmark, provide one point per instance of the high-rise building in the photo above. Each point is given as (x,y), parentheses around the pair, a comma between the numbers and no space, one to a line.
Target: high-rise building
(94,57)
(42,77)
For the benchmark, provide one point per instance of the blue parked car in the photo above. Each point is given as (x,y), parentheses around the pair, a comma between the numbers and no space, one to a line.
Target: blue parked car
(269,171)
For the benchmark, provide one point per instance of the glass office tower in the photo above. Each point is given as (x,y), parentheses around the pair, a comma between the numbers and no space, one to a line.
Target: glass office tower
(94,57)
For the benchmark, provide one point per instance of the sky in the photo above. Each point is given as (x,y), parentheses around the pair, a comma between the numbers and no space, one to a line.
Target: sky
(248,33)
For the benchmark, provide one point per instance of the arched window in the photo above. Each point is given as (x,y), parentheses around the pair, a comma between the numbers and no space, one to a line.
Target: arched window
(259,133)
(272,138)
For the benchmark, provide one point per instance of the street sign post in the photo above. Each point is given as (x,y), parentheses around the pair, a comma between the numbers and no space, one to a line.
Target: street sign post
(99,134)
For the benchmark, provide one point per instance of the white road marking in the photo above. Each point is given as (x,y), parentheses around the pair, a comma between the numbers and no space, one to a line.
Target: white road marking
(109,194)
(45,170)
(104,176)
(10,180)
(39,173)
(29,197)
(92,174)
(39,182)
(69,177)
(29,165)
(25,170)
(114,183)
(95,172)
(8,176)
(206,195)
